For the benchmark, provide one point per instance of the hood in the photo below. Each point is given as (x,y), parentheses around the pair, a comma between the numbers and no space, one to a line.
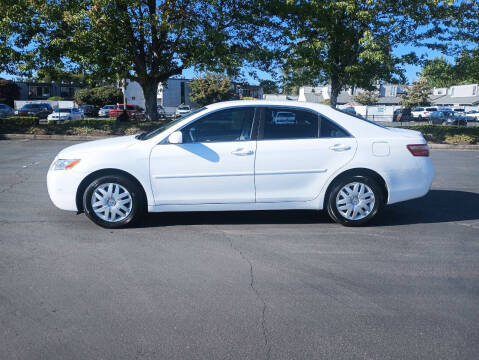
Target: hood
(98,146)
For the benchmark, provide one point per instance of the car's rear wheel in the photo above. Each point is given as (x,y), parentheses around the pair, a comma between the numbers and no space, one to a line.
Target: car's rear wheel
(113,201)
(354,200)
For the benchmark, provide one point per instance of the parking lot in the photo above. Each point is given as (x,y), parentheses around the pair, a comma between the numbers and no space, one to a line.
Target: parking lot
(238,285)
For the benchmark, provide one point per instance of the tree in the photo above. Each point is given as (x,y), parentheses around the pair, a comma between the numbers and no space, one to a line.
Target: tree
(349,43)
(367,97)
(466,68)
(269,86)
(99,96)
(9,91)
(439,73)
(417,94)
(211,88)
(146,41)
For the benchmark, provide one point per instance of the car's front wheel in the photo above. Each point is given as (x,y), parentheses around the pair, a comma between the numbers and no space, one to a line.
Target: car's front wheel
(354,200)
(113,201)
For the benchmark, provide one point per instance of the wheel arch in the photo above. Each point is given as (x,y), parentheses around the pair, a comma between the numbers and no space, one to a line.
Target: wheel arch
(104,172)
(364,172)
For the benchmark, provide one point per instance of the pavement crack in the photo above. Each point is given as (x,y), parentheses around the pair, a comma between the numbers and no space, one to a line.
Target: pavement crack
(258,295)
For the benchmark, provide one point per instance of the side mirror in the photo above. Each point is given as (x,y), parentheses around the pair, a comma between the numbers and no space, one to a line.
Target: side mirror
(176,138)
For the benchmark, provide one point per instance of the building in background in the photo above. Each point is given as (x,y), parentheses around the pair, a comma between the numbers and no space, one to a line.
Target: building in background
(37,90)
(464,96)
(176,91)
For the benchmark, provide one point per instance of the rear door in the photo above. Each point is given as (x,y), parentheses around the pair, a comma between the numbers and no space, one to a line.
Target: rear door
(295,158)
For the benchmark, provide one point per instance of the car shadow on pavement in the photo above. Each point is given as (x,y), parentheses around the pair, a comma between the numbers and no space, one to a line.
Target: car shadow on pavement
(437,206)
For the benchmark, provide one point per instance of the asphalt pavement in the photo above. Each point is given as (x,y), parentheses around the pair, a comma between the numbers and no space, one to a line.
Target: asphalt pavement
(238,285)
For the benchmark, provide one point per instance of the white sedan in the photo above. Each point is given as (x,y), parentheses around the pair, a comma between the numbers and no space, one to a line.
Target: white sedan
(233,156)
(65,114)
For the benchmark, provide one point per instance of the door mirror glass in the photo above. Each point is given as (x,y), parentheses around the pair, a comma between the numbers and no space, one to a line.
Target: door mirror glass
(176,138)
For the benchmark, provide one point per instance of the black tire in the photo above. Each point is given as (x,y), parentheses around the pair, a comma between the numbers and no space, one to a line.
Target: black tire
(138,201)
(336,215)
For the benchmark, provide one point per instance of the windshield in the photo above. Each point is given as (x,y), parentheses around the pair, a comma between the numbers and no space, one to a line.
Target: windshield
(183,108)
(155,132)
(31,106)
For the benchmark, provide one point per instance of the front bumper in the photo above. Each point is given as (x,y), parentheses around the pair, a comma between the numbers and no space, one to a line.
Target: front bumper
(62,188)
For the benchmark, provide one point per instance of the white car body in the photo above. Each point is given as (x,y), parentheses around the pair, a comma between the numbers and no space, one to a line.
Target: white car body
(105,110)
(61,115)
(182,110)
(284,117)
(423,112)
(254,174)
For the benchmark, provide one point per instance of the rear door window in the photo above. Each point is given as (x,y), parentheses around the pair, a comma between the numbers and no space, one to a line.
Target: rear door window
(284,123)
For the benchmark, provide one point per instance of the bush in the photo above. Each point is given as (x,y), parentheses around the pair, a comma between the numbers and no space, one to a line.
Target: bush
(460,139)
(439,133)
(99,96)
(55,98)
(15,123)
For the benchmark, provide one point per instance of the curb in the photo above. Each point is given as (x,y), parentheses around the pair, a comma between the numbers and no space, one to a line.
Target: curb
(54,137)
(90,137)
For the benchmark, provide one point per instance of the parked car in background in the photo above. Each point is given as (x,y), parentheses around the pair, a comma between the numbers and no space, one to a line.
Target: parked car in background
(284,117)
(6,111)
(447,118)
(472,115)
(422,113)
(62,115)
(40,110)
(402,115)
(350,111)
(89,110)
(161,112)
(105,110)
(182,110)
(232,156)
(133,111)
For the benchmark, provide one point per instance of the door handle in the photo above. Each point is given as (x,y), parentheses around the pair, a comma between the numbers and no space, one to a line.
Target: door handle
(242,152)
(340,147)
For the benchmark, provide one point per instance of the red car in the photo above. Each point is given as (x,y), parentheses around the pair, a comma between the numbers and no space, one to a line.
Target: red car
(134,111)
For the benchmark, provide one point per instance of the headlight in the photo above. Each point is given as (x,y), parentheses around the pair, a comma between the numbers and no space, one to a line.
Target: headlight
(65,164)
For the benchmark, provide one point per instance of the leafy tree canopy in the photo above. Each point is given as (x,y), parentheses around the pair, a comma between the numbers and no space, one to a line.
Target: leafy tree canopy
(143,40)
(269,86)
(367,97)
(9,91)
(417,94)
(351,42)
(211,88)
(99,96)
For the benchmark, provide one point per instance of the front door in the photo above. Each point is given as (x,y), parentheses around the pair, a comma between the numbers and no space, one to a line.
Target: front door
(213,165)
(296,153)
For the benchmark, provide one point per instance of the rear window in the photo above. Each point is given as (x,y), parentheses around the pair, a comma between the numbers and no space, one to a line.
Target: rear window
(431,109)
(419,109)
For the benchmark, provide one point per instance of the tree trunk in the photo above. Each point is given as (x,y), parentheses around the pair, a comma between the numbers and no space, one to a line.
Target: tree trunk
(335,89)
(150,92)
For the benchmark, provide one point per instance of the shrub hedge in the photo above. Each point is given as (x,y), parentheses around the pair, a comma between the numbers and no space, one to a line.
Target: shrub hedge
(439,133)
(23,125)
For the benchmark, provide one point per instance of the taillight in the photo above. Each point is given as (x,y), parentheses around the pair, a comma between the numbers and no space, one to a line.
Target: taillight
(418,149)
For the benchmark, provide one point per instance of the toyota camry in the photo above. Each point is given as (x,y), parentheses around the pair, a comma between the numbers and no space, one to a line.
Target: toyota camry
(237,156)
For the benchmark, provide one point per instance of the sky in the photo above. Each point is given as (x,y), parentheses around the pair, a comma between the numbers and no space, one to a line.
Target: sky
(410,70)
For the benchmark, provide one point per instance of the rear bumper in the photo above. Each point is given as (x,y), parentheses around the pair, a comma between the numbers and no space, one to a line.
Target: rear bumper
(413,183)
